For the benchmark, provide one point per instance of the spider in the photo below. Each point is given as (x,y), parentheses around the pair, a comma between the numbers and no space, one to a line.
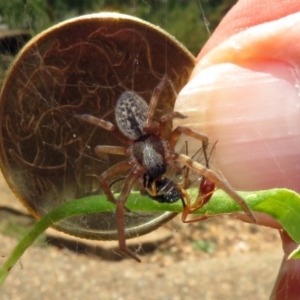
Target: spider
(150,150)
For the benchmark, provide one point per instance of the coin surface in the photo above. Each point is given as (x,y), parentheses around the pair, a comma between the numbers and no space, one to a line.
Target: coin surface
(81,66)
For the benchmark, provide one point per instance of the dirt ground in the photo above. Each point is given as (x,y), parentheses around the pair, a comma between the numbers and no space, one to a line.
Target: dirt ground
(217,259)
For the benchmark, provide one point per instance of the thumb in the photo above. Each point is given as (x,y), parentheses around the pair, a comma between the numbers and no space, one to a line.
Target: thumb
(244,93)
(246,14)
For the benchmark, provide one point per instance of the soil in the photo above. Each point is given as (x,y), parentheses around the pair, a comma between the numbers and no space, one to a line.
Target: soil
(220,258)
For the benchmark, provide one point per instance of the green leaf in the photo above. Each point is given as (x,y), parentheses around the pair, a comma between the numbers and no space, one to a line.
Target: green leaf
(282,204)
(295,254)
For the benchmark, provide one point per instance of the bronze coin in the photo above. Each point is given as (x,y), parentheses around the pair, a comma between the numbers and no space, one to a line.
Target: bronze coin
(81,66)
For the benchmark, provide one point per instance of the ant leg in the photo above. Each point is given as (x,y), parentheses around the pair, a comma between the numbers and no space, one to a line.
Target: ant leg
(213,177)
(129,181)
(206,190)
(187,210)
(114,170)
(105,125)
(152,191)
(154,100)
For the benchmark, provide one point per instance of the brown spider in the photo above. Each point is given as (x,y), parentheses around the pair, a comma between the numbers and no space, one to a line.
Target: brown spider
(150,152)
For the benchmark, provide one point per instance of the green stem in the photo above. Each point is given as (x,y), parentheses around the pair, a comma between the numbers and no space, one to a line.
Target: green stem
(283,205)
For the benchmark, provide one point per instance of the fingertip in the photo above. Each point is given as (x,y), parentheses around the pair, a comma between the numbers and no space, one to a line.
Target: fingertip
(253,111)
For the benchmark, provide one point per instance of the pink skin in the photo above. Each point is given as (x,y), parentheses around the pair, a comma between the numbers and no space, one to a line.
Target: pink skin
(245,93)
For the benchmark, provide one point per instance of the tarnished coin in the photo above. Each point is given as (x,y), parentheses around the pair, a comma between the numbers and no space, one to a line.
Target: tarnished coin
(78,67)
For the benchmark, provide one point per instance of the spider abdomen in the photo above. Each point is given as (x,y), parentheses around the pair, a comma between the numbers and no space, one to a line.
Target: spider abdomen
(130,114)
(149,152)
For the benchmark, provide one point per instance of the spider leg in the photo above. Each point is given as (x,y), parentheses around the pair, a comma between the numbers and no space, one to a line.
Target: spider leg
(214,178)
(116,150)
(111,172)
(141,186)
(107,126)
(198,219)
(174,167)
(186,182)
(129,181)
(163,122)
(154,100)
(175,134)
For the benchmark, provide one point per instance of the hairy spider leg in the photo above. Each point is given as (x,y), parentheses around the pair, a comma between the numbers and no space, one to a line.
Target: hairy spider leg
(213,177)
(120,203)
(206,190)
(123,166)
(115,150)
(129,181)
(153,102)
(163,122)
(198,219)
(106,125)
(187,170)
(175,134)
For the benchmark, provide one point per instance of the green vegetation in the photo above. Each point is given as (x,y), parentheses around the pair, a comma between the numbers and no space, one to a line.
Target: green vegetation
(205,246)
(15,224)
(283,205)
(186,20)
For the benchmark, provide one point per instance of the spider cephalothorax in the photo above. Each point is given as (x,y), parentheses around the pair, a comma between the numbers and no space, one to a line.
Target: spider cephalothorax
(150,151)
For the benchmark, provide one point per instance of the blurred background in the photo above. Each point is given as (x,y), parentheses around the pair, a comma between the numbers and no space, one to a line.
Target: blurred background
(187,20)
(191,22)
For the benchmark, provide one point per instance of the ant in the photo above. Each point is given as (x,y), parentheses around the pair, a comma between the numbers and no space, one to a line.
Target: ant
(150,151)
(168,191)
